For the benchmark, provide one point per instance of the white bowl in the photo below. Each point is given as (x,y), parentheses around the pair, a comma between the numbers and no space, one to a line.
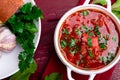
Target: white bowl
(70,67)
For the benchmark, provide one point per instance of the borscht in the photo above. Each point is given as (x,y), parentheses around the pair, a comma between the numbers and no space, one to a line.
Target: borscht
(88,39)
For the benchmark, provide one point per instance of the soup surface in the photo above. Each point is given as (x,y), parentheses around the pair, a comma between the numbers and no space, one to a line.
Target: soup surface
(88,39)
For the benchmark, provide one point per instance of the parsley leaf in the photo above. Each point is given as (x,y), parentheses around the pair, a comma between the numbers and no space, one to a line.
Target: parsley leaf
(103,59)
(30,12)
(107,59)
(96,29)
(73,51)
(12,19)
(19,27)
(31,27)
(85,12)
(116,6)
(26,74)
(102,40)
(89,41)
(90,53)
(65,31)
(102,46)
(37,12)
(53,76)
(102,2)
(84,28)
(117,13)
(90,33)
(26,8)
(63,43)
(72,42)
(114,39)
(77,31)
(110,57)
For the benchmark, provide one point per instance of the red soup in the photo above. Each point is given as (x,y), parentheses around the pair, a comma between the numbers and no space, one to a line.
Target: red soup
(88,39)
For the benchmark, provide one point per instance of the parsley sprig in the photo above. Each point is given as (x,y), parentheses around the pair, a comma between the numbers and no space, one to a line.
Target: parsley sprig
(26,73)
(107,59)
(23,26)
(54,76)
(89,41)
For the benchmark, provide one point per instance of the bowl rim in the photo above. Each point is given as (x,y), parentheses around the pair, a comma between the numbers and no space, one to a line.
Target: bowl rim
(59,54)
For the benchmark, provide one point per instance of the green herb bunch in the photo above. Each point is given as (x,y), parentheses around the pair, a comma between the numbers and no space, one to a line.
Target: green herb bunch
(23,26)
(115,6)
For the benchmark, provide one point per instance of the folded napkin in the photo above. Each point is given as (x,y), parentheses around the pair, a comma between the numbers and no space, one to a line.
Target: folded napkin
(55,65)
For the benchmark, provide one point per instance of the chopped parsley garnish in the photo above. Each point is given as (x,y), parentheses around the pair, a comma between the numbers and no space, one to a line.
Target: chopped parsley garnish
(102,46)
(85,12)
(90,28)
(103,59)
(89,41)
(114,39)
(110,57)
(90,53)
(73,51)
(102,40)
(77,31)
(65,31)
(107,59)
(96,29)
(72,42)
(84,28)
(63,43)
(90,33)
(23,26)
